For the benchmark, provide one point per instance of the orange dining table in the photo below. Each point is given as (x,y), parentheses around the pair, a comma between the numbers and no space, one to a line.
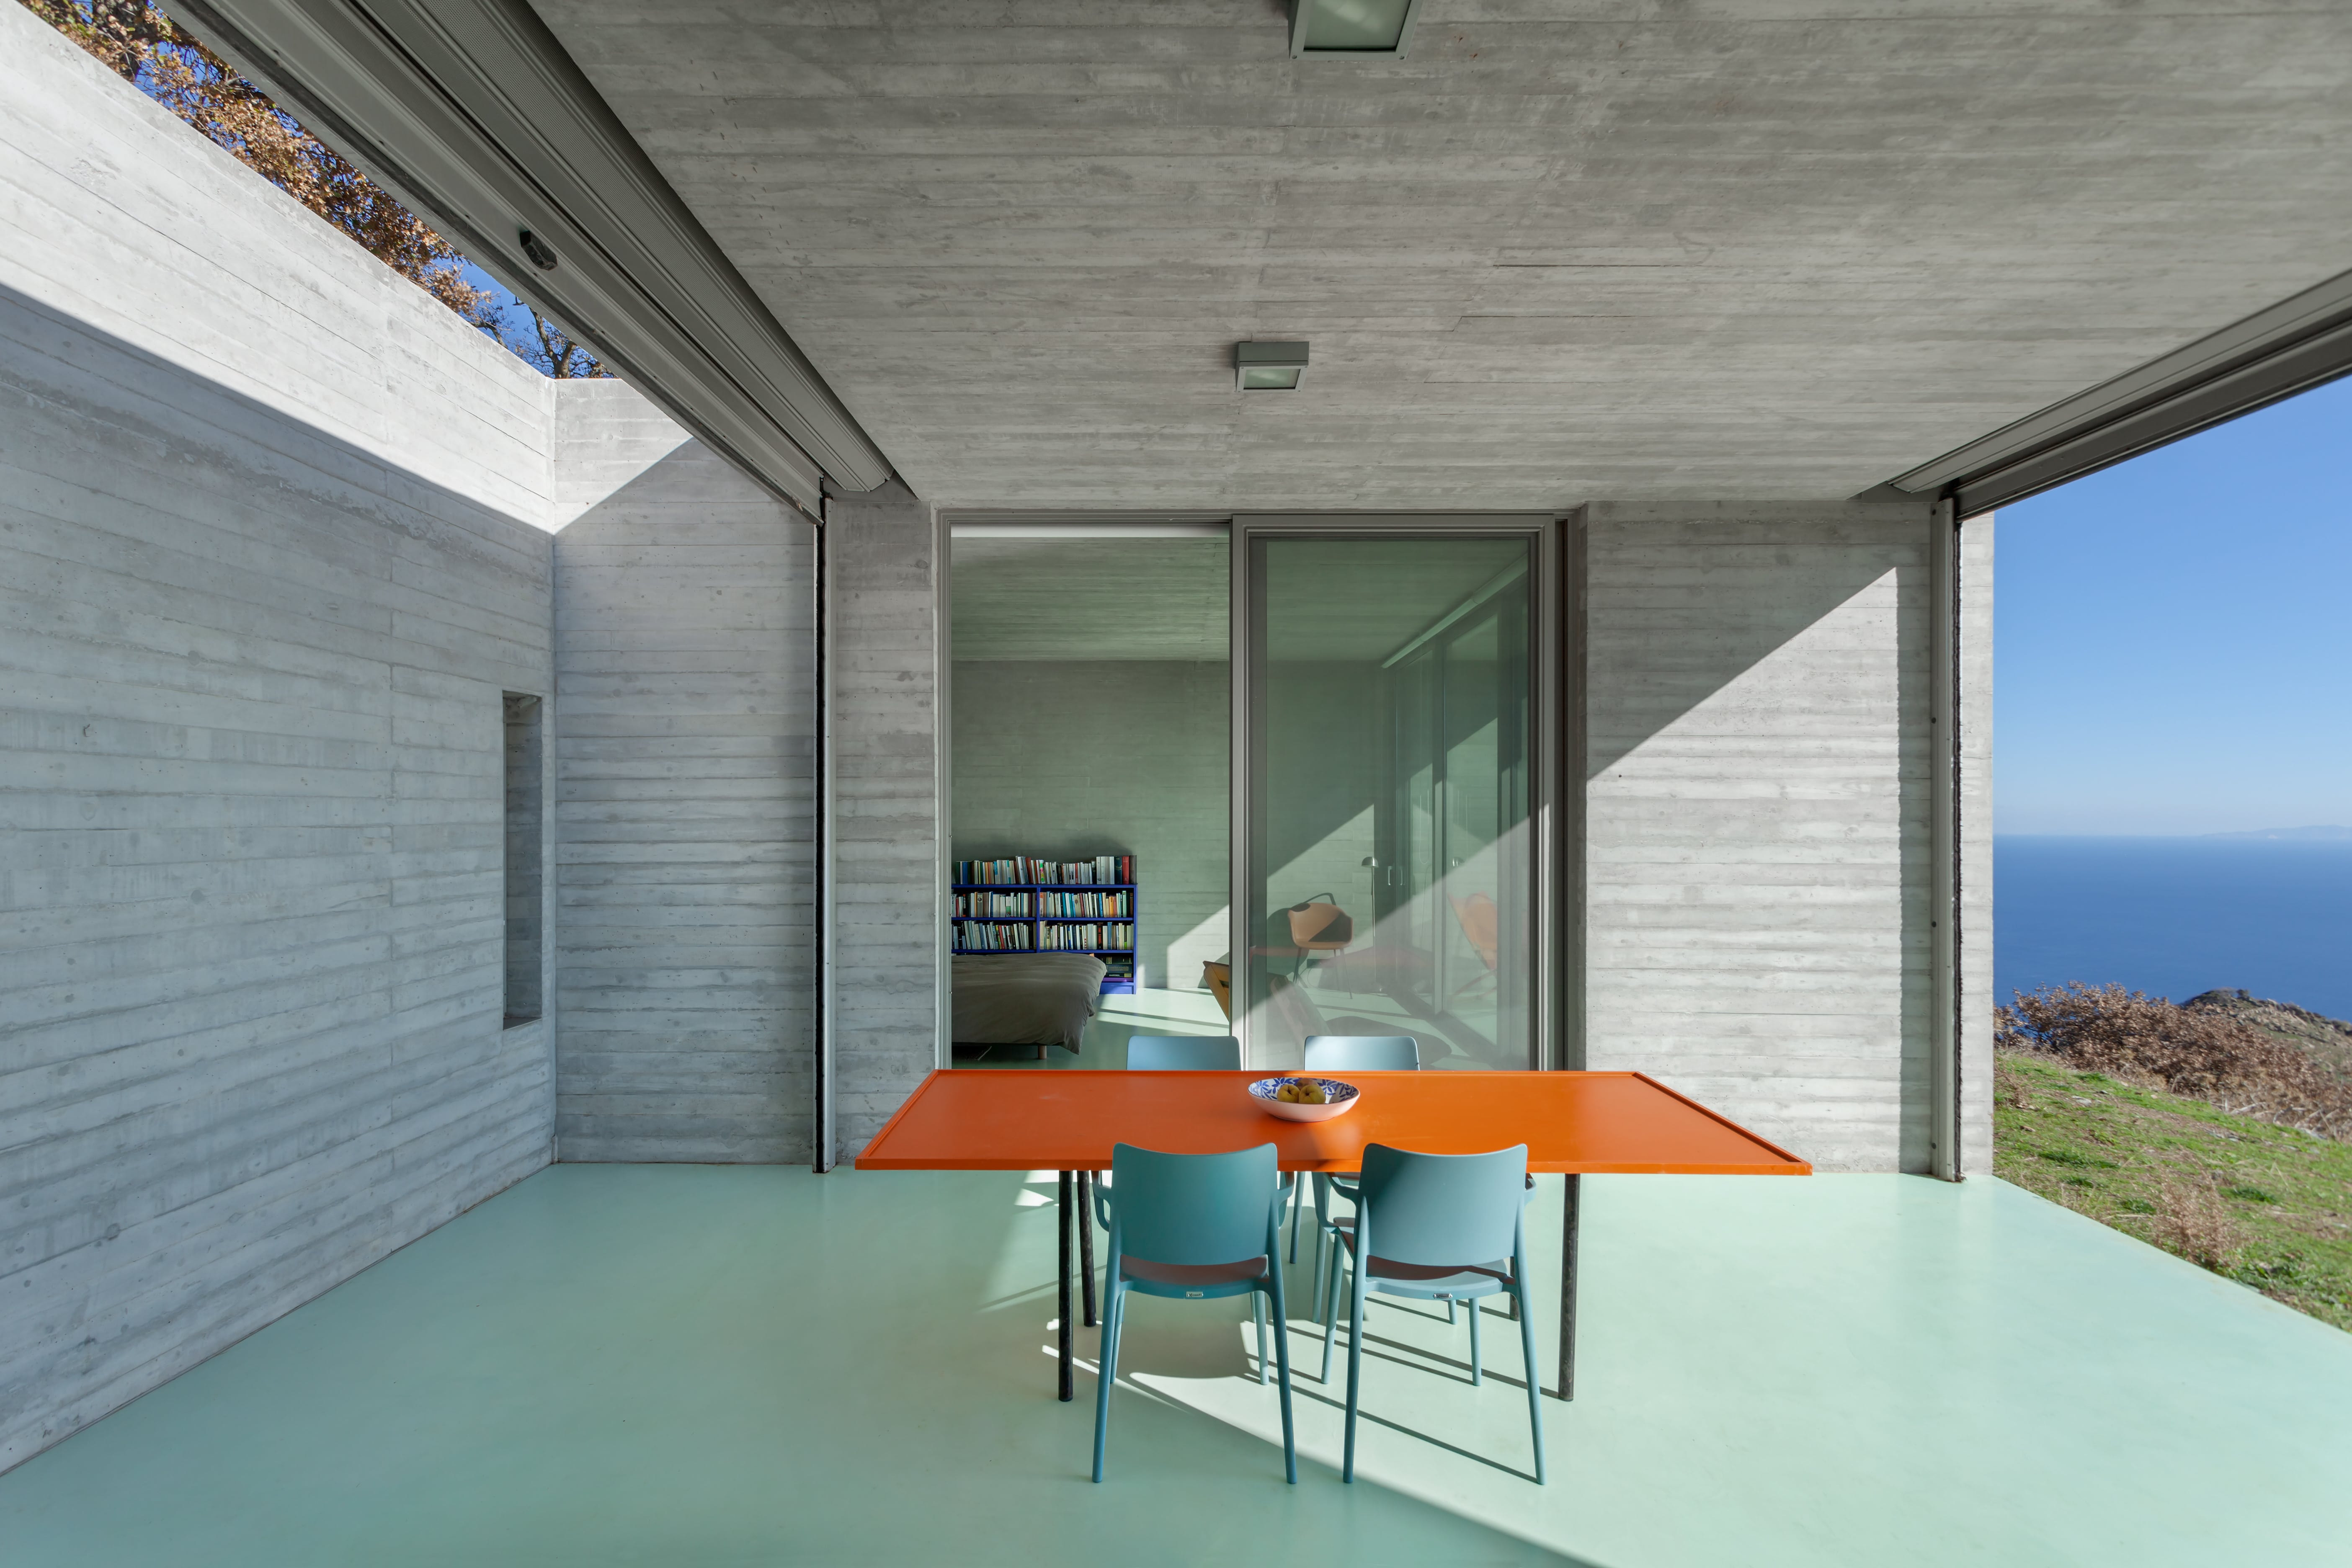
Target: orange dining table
(1068,1121)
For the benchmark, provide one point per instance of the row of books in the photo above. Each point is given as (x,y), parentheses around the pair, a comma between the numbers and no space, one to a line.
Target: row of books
(968,906)
(1053,906)
(979,938)
(1084,905)
(1086,937)
(1028,871)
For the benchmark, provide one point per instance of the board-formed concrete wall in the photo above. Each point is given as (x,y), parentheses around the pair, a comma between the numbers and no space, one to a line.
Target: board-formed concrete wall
(685,806)
(882,562)
(1757,816)
(268,560)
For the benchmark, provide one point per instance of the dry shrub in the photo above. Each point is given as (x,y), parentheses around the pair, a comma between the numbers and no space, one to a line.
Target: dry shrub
(2206,1056)
(2192,1221)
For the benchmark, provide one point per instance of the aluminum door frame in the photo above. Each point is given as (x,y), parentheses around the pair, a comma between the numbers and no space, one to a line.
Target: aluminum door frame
(1546,793)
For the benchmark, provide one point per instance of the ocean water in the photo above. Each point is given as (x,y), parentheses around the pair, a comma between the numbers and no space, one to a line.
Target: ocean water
(2173,916)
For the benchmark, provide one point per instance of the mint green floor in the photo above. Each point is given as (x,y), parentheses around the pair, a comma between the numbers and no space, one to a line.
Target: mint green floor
(691,1366)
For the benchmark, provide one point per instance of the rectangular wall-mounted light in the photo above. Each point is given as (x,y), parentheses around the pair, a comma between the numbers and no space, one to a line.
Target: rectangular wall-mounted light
(1268,367)
(1362,28)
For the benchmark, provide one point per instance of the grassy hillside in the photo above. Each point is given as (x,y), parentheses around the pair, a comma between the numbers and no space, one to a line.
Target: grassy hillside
(2266,1205)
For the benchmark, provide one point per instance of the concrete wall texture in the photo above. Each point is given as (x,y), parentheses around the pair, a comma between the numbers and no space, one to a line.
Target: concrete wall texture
(260,609)
(274,544)
(1130,757)
(881,561)
(685,819)
(1757,816)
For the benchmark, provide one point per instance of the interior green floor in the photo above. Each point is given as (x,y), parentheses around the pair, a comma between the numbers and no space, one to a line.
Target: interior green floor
(690,1365)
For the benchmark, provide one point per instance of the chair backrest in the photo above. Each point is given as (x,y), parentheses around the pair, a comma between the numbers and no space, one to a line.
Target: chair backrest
(1183,1053)
(1364,1053)
(1321,922)
(1191,1208)
(1436,1210)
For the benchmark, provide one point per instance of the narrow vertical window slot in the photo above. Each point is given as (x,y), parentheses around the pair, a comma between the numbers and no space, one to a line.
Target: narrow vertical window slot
(525,810)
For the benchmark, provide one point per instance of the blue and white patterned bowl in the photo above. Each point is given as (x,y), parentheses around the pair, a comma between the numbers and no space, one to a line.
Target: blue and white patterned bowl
(1341,1099)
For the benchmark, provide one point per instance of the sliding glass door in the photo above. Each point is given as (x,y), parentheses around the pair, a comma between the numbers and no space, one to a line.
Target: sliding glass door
(1391,744)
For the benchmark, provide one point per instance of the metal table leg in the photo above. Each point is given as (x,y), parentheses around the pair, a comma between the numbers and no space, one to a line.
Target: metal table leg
(1063,1213)
(1086,1242)
(1567,1290)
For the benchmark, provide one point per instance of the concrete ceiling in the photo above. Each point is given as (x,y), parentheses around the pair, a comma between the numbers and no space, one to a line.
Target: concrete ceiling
(1563,251)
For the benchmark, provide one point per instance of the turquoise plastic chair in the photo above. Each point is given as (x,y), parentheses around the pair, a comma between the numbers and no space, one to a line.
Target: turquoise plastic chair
(1362,1052)
(1430,1227)
(1191,1053)
(1183,1053)
(1193,1227)
(1344,1053)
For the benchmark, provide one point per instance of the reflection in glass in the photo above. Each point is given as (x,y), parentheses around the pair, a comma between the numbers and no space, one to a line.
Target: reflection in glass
(1392,876)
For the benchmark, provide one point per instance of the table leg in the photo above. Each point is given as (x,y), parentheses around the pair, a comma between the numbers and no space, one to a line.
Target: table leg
(1062,1215)
(1568,1290)
(1086,1242)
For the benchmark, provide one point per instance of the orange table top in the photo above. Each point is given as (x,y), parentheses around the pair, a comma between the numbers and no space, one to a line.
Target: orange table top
(979,1119)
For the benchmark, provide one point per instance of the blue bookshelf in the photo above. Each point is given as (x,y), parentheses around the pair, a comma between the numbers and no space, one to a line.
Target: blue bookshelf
(1026,904)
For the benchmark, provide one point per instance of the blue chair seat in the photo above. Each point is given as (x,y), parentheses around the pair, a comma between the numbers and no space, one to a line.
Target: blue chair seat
(1429,1282)
(1186,1280)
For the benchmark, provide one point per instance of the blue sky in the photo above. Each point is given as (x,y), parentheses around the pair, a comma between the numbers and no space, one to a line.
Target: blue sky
(2173,637)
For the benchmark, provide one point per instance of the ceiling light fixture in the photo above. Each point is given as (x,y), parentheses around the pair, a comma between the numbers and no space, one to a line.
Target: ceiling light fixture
(1268,367)
(1377,28)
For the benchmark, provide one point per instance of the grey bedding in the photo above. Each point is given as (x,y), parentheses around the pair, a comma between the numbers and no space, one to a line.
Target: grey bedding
(1025,998)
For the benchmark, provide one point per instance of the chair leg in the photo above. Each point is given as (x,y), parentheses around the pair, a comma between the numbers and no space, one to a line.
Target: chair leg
(1257,1311)
(1282,1358)
(1477,1373)
(1535,1378)
(1331,1309)
(1322,1236)
(1296,1208)
(1449,1318)
(1107,1361)
(1355,1370)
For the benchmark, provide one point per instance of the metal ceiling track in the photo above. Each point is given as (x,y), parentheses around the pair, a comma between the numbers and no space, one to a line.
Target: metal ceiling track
(471,113)
(2294,345)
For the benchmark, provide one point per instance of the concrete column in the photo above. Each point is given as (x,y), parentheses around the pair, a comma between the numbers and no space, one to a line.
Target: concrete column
(881,558)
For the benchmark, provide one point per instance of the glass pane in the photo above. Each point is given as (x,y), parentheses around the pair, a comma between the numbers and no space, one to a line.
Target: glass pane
(1392,876)
(1091,717)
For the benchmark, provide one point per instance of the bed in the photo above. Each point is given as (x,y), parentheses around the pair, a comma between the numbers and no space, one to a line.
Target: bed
(1025,998)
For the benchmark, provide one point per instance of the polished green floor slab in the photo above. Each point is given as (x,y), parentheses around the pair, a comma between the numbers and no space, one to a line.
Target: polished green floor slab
(690,1365)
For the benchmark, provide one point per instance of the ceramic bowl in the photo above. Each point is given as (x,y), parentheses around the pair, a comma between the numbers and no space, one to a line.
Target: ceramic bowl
(1342,1099)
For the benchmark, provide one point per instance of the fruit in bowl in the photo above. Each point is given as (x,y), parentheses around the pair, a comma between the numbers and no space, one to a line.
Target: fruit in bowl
(1304,1099)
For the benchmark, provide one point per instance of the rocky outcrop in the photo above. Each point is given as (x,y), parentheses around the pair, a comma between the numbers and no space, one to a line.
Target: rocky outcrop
(2327,1040)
